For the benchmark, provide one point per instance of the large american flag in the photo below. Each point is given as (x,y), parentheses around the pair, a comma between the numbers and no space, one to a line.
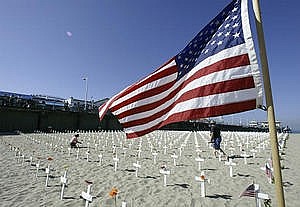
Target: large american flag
(215,74)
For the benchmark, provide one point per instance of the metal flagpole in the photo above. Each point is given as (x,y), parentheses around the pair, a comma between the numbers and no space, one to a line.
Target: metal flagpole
(270,107)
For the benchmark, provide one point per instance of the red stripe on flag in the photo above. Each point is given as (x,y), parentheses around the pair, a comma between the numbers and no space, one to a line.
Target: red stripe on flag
(142,95)
(152,77)
(148,79)
(237,61)
(211,111)
(227,63)
(198,114)
(216,88)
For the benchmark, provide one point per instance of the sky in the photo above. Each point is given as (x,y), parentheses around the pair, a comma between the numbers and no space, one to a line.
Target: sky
(48,46)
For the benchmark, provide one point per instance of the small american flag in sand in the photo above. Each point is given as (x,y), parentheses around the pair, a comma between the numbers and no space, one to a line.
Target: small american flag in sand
(250,191)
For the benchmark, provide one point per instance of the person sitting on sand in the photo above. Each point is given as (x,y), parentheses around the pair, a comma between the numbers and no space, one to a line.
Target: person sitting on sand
(74,141)
(216,139)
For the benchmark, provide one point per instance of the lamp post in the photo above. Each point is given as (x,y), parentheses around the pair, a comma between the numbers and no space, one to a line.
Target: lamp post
(86,91)
(92,102)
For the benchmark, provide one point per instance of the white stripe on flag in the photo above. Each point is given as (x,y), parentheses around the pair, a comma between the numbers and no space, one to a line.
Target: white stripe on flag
(201,102)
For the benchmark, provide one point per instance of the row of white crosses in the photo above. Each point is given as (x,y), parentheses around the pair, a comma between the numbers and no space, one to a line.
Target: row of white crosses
(164,145)
(87,195)
(243,143)
(231,139)
(63,179)
(174,156)
(88,151)
(37,165)
(21,155)
(47,170)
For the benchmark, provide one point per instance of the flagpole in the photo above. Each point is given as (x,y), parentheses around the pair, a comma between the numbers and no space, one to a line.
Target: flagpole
(270,107)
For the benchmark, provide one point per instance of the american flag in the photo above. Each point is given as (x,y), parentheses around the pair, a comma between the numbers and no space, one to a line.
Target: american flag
(268,167)
(215,74)
(250,191)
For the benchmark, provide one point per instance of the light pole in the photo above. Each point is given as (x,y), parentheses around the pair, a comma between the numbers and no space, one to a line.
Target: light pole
(86,91)
(92,102)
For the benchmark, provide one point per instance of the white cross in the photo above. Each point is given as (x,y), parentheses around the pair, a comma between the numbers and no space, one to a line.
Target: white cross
(231,149)
(165,172)
(174,156)
(154,157)
(23,159)
(47,173)
(151,148)
(63,180)
(202,179)
(230,164)
(30,160)
(224,145)
(180,151)
(100,159)
(259,195)
(116,160)
(165,149)
(88,146)
(199,160)
(18,154)
(245,156)
(37,168)
(114,149)
(86,195)
(247,143)
(77,154)
(137,166)
(198,150)
(253,152)
(139,153)
(87,156)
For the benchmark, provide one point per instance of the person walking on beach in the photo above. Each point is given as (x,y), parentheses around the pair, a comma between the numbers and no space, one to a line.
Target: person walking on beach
(74,141)
(216,139)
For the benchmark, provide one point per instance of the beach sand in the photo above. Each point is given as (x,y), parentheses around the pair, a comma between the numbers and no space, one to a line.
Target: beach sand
(21,187)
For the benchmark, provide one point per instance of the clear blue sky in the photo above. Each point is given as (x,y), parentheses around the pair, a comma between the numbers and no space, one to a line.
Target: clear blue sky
(47,46)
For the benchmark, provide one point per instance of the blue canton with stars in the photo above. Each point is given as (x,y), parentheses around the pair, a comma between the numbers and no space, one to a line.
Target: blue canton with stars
(223,32)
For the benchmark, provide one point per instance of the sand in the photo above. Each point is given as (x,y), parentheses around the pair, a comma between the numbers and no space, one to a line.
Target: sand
(21,185)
